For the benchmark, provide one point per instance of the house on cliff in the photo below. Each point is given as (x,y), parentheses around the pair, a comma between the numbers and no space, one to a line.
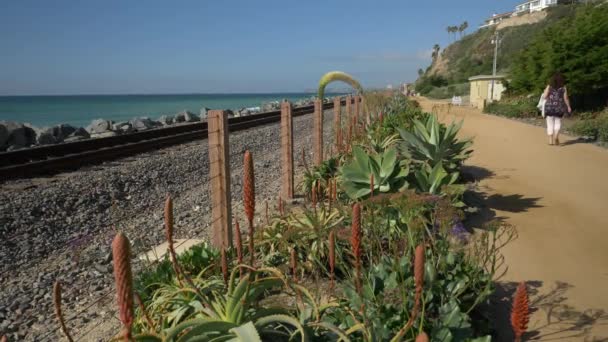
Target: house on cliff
(521,9)
(534,6)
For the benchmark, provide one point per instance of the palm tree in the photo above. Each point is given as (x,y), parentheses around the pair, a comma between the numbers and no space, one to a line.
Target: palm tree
(454,29)
(462,28)
(435,54)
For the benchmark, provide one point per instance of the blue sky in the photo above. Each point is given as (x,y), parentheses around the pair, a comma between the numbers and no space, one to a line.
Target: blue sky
(135,47)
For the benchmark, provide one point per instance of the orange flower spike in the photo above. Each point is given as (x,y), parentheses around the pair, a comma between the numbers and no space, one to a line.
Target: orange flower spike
(123,278)
(332,257)
(520,314)
(294,264)
(356,243)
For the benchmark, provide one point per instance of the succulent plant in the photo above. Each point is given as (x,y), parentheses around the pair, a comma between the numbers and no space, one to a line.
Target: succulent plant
(388,175)
(432,180)
(432,143)
(332,257)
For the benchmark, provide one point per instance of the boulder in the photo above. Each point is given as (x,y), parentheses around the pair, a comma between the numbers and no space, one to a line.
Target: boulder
(55,134)
(204,112)
(186,116)
(142,124)
(46,137)
(18,135)
(123,127)
(3,134)
(166,120)
(79,134)
(244,112)
(64,130)
(99,126)
(270,106)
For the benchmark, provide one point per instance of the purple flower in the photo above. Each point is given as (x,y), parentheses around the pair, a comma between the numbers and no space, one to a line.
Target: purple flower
(460,231)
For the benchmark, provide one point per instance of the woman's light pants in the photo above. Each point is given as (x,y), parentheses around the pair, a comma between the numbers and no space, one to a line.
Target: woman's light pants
(553,125)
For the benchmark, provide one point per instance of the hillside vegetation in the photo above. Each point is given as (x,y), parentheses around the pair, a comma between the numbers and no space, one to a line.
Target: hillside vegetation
(472,55)
(577,47)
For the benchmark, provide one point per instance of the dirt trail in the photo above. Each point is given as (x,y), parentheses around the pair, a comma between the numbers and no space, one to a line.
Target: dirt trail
(557,197)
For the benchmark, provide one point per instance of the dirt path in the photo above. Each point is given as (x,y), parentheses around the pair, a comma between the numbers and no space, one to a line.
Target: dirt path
(557,197)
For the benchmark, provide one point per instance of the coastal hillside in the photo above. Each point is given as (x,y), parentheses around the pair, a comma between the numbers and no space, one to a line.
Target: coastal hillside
(473,54)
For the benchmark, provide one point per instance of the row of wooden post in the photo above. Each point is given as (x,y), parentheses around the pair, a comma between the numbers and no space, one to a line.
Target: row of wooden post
(219,151)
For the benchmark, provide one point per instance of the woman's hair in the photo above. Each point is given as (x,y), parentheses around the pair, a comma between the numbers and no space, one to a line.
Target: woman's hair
(557,81)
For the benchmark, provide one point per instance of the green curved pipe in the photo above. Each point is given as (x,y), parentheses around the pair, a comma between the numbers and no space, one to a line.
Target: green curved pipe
(337,76)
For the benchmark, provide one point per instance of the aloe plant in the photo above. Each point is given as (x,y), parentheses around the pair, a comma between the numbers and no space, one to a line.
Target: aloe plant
(337,76)
(226,313)
(431,143)
(383,170)
(319,176)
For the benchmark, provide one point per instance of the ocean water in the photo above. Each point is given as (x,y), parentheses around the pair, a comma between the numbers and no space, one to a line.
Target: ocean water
(80,110)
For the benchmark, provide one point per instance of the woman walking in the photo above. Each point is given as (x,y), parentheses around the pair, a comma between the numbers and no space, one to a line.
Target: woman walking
(556,106)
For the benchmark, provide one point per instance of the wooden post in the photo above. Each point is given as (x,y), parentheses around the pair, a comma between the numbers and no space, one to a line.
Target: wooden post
(318,132)
(219,175)
(286,150)
(349,100)
(365,111)
(357,108)
(337,122)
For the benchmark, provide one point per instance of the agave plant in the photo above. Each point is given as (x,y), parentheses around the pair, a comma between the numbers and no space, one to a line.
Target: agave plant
(379,144)
(432,180)
(383,170)
(432,143)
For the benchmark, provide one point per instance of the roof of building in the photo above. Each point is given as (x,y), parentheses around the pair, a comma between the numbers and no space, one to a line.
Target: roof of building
(502,15)
(525,2)
(486,77)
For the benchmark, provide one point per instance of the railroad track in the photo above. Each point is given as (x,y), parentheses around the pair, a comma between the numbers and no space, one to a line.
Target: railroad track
(51,159)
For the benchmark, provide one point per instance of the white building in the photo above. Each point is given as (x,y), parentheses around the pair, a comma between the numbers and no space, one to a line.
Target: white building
(534,6)
(496,19)
(523,8)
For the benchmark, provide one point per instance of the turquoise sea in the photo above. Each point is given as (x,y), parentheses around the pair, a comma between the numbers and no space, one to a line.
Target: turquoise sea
(80,110)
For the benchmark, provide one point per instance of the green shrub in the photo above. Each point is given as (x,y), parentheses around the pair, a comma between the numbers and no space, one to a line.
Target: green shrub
(594,125)
(586,128)
(518,107)
(446,92)
(602,129)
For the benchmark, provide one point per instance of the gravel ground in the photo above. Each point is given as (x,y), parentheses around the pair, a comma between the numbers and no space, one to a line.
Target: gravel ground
(60,228)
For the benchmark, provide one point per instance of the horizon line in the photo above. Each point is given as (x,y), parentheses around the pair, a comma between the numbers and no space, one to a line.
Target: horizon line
(187,93)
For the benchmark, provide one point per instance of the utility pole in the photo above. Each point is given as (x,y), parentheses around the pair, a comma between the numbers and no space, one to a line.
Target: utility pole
(496,42)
